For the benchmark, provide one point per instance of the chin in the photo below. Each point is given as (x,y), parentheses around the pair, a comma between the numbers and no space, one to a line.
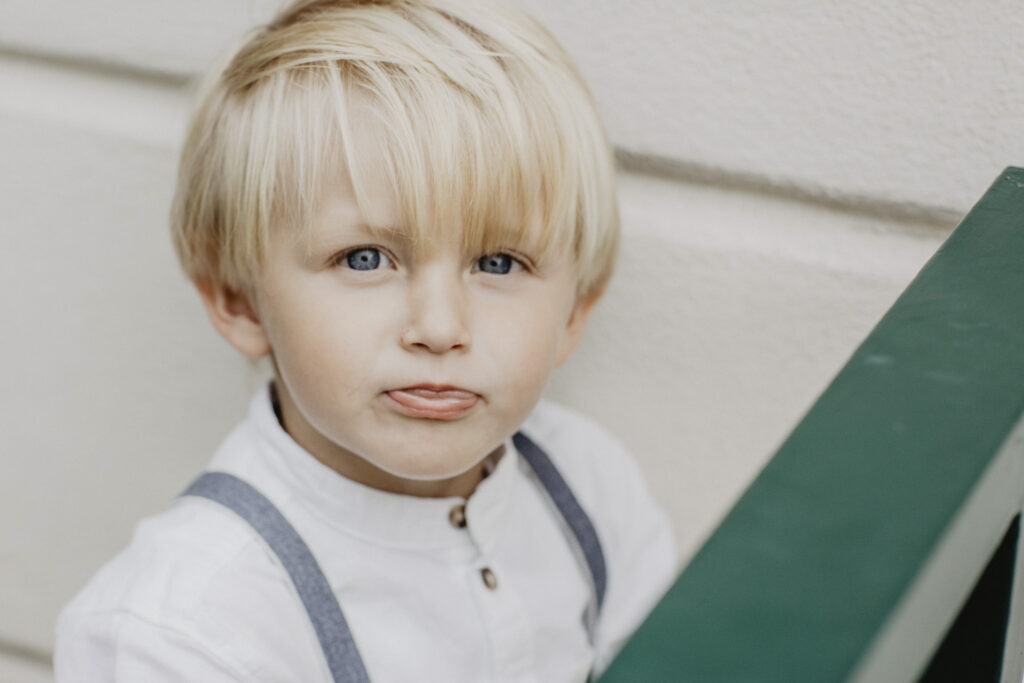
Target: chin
(428,465)
(429,471)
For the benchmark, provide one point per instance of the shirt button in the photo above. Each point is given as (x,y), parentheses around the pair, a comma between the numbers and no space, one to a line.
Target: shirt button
(490,580)
(457,516)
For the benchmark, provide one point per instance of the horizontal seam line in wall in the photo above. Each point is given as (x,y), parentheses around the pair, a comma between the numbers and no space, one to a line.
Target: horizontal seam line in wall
(933,218)
(94,65)
(26,653)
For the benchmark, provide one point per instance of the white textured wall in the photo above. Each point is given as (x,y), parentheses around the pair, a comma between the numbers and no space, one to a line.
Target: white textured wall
(117,388)
(904,101)
(804,160)
(912,102)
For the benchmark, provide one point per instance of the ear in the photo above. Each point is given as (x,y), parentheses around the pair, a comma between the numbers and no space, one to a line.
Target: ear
(235,318)
(574,328)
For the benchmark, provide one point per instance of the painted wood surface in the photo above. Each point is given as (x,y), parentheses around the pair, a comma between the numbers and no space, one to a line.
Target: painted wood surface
(811,564)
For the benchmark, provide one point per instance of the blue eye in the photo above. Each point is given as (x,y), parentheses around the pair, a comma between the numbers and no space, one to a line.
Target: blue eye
(498,264)
(366,258)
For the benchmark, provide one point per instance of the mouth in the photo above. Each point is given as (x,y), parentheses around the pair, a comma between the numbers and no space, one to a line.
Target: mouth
(433,401)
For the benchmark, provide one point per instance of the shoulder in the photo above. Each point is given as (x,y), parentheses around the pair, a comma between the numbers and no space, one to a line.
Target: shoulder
(602,474)
(590,458)
(634,531)
(179,557)
(183,586)
(170,563)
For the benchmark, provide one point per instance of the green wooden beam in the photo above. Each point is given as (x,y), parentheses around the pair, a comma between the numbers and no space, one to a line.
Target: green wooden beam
(850,554)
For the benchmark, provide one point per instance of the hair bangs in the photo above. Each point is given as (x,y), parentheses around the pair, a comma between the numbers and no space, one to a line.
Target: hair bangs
(470,115)
(458,166)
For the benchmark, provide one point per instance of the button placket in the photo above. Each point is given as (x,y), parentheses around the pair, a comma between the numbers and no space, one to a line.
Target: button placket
(457,516)
(489,578)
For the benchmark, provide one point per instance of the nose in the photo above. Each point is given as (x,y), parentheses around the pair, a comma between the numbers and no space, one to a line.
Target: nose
(437,312)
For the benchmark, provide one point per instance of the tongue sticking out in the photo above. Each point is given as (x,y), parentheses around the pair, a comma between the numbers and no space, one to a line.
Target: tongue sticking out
(447,404)
(444,393)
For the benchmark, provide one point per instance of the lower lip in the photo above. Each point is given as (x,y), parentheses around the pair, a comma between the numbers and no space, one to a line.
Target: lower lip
(433,405)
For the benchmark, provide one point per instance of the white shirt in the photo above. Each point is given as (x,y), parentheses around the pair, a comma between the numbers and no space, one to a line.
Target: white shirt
(198,596)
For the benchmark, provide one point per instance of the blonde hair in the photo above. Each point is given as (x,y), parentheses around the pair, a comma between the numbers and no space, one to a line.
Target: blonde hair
(476,114)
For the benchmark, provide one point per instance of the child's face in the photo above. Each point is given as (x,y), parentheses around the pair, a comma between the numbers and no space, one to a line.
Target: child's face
(414,363)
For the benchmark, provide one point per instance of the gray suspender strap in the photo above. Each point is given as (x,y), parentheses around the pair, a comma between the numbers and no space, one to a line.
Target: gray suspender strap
(576,519)
(331,628)
(328,621)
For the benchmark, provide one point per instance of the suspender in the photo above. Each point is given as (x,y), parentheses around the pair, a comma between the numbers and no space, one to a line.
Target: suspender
(583,532)
(332,630)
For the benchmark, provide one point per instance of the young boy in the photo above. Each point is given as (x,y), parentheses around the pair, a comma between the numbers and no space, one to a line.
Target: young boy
(409,206)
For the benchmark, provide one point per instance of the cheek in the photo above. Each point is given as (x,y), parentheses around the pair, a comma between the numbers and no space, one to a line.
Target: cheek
(528,345)
(329,346)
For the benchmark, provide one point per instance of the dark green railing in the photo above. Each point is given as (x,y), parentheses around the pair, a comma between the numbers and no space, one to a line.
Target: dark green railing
(879,543)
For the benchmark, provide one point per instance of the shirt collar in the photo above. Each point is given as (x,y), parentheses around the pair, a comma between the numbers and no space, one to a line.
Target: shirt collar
(379,516)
